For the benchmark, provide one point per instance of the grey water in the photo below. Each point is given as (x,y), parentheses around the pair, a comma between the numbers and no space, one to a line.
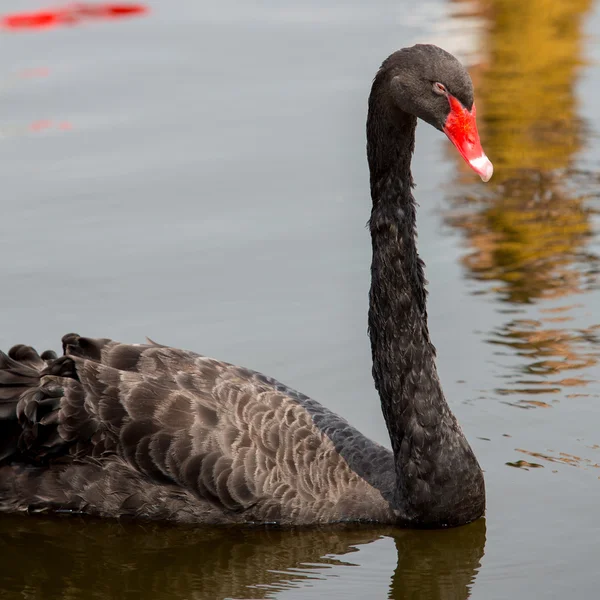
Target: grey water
(198,175)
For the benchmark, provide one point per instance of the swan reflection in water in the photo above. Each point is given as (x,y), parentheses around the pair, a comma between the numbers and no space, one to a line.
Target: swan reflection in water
(99,559)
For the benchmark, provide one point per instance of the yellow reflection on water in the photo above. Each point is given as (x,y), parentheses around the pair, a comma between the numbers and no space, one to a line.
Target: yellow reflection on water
(528,230)
(534,49)
(528,236)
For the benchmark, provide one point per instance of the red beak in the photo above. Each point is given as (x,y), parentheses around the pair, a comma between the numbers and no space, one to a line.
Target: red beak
(461,129)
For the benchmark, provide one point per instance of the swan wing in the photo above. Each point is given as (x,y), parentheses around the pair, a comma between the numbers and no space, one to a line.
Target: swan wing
(226,443)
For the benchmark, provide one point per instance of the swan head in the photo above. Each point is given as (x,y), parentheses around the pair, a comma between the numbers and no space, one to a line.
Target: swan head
(431,84)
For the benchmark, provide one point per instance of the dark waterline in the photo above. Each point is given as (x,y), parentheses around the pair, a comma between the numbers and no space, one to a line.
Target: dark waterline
(117,560)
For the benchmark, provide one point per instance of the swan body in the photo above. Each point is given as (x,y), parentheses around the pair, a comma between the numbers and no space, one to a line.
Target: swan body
(163,433)
(153,432)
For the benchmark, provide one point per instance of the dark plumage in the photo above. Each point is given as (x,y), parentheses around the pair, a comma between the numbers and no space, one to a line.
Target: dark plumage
(148,431)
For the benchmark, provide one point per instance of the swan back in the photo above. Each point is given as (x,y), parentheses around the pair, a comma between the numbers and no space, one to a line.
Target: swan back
(156,432)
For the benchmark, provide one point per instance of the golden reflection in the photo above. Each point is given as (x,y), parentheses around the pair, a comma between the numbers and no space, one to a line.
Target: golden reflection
(563,458)
(63,558)
(548,354)
(528,230)
(523,464)
(528,237)
(534,50)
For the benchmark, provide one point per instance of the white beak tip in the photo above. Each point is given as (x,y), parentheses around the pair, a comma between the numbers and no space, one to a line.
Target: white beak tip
(483,166)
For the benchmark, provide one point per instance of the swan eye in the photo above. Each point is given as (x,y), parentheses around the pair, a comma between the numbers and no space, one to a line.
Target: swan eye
(439,88)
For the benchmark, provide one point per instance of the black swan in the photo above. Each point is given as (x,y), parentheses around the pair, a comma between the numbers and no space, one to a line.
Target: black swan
(148,431)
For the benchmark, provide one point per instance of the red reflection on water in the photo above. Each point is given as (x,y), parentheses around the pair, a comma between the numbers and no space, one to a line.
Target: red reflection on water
(34,72)
(43,124)
(71,14)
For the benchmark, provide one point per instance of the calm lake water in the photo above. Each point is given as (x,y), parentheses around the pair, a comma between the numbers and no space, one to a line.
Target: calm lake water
(198,175)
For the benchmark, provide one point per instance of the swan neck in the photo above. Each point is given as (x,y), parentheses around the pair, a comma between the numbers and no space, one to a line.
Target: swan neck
(403,355)
(431,454)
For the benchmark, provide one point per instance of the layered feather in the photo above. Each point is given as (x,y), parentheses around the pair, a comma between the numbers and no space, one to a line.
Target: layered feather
(159,433)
